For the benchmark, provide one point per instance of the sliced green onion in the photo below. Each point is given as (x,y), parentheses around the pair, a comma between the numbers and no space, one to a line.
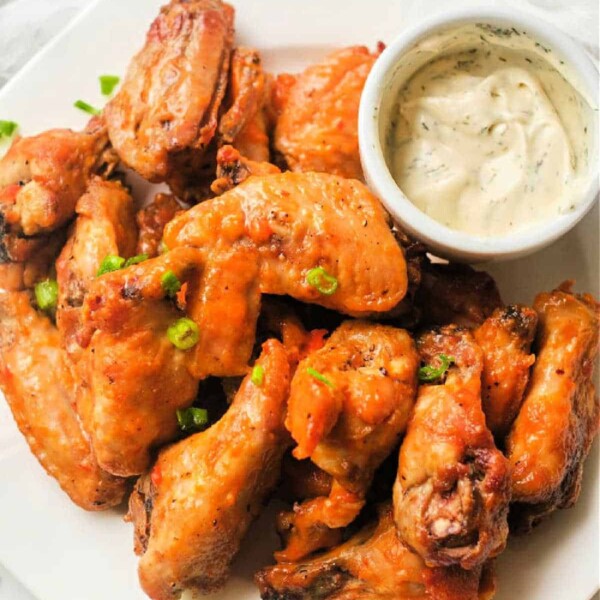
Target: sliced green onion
(183,334)
(320,279)
(135,260)
(314,373)
(108,83)
(258,375)
(192,419)
(430,373)
(85,107)
(110,263)
(46,294)
(162,247)
(7,128)
(170,283)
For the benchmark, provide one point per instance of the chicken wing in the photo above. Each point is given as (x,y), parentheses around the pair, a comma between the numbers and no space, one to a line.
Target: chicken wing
(151,221)
(374,564)
(456,294)
(453,486)
(134,378)
(505,339)
(165,114)
(349,404)
(317,124)
(40,389)
(192,512)
(554,430)
(105,226)
(41,179)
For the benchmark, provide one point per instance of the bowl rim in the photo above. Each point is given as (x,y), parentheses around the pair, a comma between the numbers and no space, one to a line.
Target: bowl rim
(451,242)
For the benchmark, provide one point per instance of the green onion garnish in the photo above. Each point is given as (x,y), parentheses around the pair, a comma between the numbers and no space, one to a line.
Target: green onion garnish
(110,263)
(170,283)
(430,373)
(258,375)
(314,373)
(320,279)
(108,83)
(135,260)
(192,419)
(162,247)
(7,128)
(46,294)
(85,107)
(183,334)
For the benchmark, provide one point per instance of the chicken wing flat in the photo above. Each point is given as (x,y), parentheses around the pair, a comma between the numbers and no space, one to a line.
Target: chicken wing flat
(349,404)
(453,486)
(192,512)
(41,179)
(554,430)
(165,114)
(317,124)
(505,339)
(374,564)
(134,378)
(456,294)
(105,226)
(40,390)
(151,221)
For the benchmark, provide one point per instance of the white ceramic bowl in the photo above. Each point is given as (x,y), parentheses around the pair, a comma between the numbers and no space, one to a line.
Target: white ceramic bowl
(389,74)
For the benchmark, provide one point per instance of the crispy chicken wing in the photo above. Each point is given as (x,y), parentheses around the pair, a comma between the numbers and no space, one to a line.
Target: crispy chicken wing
(270,232)
(453,486)
(41,179)
(349,404)
(194,509)
(134,378)
(105,226)
(317,125)
(165,114)
(456,294)
(40,389)
(554,430)
(505,339)
(151,221)
(374,564)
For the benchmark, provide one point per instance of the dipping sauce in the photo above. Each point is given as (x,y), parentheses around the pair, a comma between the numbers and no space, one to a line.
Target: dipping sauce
(488,140)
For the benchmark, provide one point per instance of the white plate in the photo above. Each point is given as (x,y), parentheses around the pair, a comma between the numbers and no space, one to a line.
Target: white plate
(58,551)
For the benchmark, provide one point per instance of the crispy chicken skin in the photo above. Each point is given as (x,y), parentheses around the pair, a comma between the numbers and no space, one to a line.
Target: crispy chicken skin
(317,123)
(134,378)
(347,424)
(453,486)
(456,294)
(265,236)
(165,114)
(505,339)
(41,179)
(105,225)
(40,389)
(193,511)
(373,564)
(554,430)
(151,221)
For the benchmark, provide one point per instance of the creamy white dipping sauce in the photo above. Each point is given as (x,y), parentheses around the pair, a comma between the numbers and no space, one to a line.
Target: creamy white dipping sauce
(488,140)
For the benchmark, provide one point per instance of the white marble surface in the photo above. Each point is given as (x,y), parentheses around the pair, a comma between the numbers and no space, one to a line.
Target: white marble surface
(27,25)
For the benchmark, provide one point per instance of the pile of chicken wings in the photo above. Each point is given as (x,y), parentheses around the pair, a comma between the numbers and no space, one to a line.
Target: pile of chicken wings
(264,330)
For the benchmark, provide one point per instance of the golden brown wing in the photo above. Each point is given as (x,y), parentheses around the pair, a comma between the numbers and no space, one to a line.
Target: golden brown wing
(165,114)
(317,126)
(151,221)
(374,564)
(40,390)
(105,226)
(554,430)
(453,486)
(194,509)
(505,339)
